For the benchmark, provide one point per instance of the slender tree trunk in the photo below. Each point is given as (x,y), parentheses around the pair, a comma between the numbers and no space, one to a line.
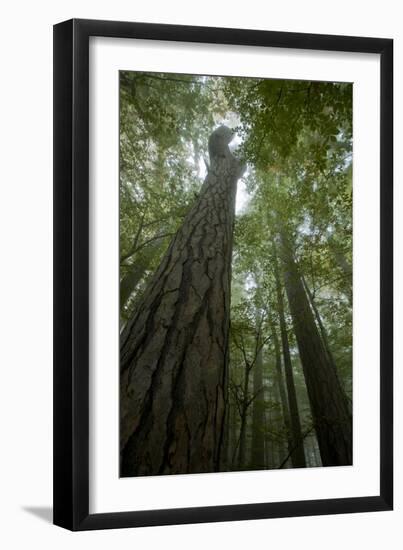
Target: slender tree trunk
(258,424)
(314,454)
(174,349)
(282,446)
(298,455)
(225,450)
(269,432)
(318,460)
(244,412)
(345,267)
(130,281)
(232,433)
(318,318)
(136,272)
(329,404)
(280,386)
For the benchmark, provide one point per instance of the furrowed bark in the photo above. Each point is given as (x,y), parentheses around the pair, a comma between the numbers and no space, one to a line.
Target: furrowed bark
(174,349)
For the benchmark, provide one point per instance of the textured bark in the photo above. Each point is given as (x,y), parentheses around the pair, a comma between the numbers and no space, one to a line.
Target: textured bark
(330,408)
(174,349)
(258,423)
(297,455)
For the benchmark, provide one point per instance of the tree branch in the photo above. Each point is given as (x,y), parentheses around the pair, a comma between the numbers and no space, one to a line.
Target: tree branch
(295,447)
(145,243)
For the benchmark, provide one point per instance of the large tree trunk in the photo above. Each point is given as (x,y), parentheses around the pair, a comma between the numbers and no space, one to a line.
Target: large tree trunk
(330,408)
(258,423)
(298,455)
(174,349)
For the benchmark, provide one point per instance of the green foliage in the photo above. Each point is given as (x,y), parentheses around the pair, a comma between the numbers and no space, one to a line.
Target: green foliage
(165,121)
(296,138)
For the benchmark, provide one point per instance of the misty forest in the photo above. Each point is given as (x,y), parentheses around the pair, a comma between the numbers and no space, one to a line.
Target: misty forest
(235,274)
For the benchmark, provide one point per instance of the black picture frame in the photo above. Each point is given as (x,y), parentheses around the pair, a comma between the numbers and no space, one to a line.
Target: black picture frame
(71,274)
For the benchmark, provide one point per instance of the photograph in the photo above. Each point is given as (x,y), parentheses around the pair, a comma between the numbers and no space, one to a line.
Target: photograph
(235,271)
(200,202)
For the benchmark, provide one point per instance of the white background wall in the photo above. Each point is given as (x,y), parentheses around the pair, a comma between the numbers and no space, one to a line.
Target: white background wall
(26,279)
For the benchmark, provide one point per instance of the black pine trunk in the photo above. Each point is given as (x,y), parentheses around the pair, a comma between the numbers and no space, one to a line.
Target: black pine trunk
(174,349)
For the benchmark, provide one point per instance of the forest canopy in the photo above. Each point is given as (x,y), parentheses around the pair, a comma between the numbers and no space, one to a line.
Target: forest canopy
(235,273)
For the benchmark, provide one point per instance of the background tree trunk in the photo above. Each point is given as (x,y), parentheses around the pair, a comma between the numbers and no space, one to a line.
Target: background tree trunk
(258,424)
(280,386)
(174,349)
(298,455)
(345,267)
(131,280)
(244,413)
(282,442)
(318,318)
(329,404)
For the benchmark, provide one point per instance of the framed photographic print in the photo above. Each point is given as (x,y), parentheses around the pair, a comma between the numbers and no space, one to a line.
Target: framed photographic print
(222,274)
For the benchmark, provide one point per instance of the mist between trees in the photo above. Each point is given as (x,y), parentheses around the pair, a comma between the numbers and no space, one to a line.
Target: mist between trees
(235,274)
